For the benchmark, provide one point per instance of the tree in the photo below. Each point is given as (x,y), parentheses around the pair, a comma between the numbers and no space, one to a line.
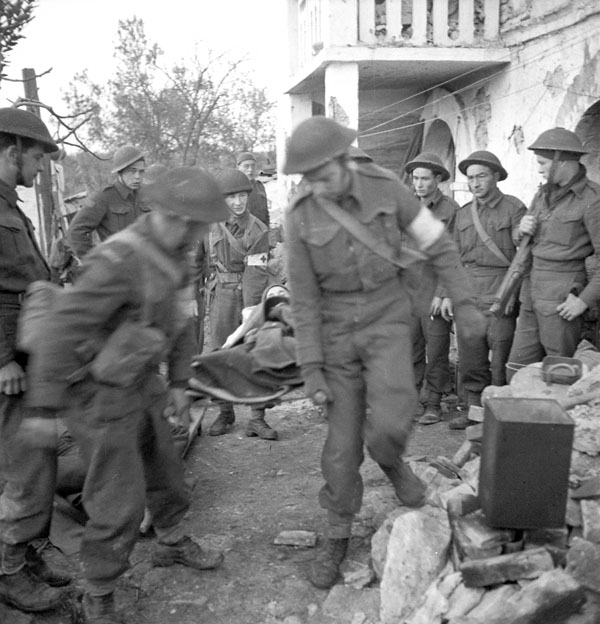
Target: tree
(14,15)
(197,112)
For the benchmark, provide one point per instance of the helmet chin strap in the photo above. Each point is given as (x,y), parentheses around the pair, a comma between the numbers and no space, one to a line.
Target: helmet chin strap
(19,146)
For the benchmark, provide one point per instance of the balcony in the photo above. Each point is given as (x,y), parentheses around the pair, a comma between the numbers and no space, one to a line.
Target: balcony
(462,35)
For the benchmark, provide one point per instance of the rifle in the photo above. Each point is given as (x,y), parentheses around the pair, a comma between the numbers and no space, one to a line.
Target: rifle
(512,278)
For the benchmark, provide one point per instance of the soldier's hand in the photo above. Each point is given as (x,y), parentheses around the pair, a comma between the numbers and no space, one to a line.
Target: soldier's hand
(446,310)
(12,379)
(315,386)
(528,225)
(571,308)
(435,308)
(182,403)
(470,322)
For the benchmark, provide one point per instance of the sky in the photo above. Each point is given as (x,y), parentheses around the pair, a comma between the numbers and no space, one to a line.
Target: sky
(71,35)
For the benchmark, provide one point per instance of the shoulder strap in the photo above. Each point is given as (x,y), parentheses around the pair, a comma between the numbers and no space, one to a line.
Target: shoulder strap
(234,242)
(401,258)
(485,237)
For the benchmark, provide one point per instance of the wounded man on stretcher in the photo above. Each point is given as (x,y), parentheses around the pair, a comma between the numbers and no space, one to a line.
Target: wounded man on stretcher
(257,363)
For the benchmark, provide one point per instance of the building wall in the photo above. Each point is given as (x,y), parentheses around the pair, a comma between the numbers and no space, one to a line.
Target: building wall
(551,81)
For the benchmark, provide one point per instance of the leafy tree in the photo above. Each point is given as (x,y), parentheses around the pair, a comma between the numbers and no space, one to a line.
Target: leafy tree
(14,15)
(197,112)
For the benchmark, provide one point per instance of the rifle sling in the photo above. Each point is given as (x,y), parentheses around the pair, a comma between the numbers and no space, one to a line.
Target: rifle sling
(485,237)
(402,258)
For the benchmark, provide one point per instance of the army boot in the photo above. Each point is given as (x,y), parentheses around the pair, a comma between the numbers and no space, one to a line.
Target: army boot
(433,410)
(325,569)
(410,490)
(100,609)
(26,593)
(258,427)
(40,570)
(463,421)
(224,421)
(187,553)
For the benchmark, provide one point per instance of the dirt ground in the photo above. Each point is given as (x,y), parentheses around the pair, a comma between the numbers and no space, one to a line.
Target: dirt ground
(246,492)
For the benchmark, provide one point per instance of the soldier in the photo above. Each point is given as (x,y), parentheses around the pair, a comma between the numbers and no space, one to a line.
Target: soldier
(114,207)
(239,251)
(486,231)
(88,363)
(431,331)
(258,205)
(564,220)
(352,313)
(29,471)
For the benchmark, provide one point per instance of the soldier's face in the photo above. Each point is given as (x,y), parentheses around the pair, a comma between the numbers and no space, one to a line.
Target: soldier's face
(133,176)
(248,167)
(32,162)
(424,181)
(482,180)
(237,203)
(330,180)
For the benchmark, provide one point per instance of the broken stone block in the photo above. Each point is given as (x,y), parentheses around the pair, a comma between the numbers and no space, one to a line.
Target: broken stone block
(583,563)
(461,457)
(379,541)
(462,490)
(474,433)
(417,551)
(471,469)
(588,488)
(589,382)
(590,516)
(305,539)
(435,601)
(492,603)
(535,538)
(525,564)
(357,575)
(343,603)
(462,600)
(552,597)
(475,413)
(573,514)
(474,539)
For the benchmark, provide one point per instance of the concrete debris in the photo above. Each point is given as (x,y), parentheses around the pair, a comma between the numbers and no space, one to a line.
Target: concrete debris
(435,601)
(495,570)
(304,539)
(417,552)
(492,603)
(583,563)
(357,575)
(344,603)
(463,600)
(590,513)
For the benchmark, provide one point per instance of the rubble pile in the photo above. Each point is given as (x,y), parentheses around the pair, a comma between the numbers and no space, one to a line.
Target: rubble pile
(442,564)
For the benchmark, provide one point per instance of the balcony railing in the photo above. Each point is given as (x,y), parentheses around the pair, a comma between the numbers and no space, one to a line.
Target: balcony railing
(395,23)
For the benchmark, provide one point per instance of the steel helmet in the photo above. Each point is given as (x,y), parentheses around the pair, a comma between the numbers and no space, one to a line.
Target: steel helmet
(233,181)
(483,157)
(22,123)
(154,171)
(245,156)
(314,142)
(428,160)
(125,156)
(558,140)
(187,192)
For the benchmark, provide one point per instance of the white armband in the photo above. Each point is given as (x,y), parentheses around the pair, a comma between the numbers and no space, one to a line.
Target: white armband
(259,260)
(425,229)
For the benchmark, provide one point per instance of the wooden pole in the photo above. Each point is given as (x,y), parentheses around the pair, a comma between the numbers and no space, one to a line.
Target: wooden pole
(43,183)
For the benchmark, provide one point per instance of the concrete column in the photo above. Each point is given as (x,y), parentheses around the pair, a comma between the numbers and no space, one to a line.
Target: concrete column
(341,93)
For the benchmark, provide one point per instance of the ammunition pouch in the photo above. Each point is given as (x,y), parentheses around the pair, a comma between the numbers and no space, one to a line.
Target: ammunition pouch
(132,350)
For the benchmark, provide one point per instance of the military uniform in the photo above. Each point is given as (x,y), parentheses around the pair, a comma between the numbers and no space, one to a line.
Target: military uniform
(29,472)
(352,315)
(124,439)
(258,204)
(431,336)
(239,270)
(109,211)
(568,232)
(500,215)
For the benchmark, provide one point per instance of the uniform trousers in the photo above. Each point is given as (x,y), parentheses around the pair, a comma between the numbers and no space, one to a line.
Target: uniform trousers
(431,347)
(478,368)
(540,329)
(131,463)
(225,312)
(29,473)
(368,367)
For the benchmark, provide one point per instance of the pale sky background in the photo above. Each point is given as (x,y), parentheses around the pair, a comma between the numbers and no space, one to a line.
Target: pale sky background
(71,35)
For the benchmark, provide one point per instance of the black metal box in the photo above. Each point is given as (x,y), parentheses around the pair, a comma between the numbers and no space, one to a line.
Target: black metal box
(525,460)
